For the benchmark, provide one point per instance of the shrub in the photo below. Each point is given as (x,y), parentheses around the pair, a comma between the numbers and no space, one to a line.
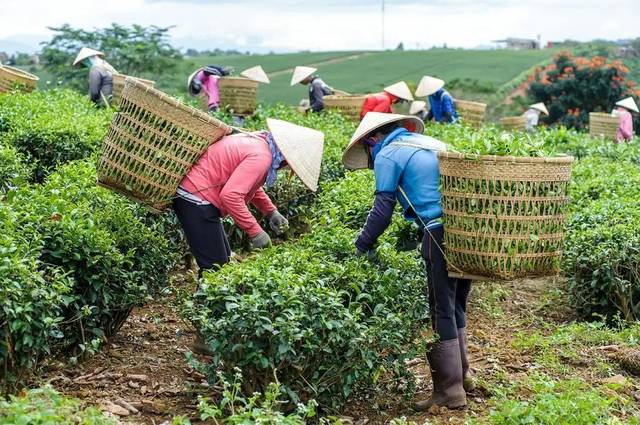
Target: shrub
(52,127)
(14,170)
(310,314)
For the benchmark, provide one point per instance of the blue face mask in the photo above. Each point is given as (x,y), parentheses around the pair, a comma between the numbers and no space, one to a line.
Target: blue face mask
(88,62)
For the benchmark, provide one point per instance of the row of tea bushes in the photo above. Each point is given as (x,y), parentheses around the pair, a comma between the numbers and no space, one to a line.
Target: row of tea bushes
(52,127)
(311,315)
(74,259)
(14,168)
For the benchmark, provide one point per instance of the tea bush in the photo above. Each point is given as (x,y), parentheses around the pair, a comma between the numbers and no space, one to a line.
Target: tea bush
(52,127)
(310,314)
(14,169)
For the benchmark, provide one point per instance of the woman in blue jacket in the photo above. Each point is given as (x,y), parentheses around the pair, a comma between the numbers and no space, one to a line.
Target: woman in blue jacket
(405,165)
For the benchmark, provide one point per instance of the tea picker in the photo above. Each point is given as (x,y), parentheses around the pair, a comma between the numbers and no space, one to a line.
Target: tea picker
(623,111)
(100,75)
(382,102)
(204,81)
(419,109)
(405,165)
(532,116)
(318,89)
(442,107)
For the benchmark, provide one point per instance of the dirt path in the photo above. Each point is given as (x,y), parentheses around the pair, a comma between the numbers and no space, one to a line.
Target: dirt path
(321,63)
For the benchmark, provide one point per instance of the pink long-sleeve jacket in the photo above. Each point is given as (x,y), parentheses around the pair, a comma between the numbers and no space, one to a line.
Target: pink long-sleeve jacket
(210,85)
(230,175)
(625,128)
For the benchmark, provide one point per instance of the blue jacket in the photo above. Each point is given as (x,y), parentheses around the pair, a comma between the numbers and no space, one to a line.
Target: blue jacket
(416,171)
(442,107)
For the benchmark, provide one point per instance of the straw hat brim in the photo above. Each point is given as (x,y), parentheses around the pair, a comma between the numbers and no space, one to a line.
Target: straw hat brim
(417,106)
(355,157)
(190,79)
(400,90)
(256,73)
(86,52)
(300,73)
(428,86)
(302,147)
(629,104)
(540,107)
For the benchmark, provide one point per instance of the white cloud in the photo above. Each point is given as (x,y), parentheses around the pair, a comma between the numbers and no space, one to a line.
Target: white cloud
(331,24)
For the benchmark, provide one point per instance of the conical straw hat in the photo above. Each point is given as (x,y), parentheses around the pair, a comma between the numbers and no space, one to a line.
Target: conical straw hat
(302,148)
(400,89)
(428,86)
(86,52)
(256,74)
(355,157)
(417,106)
(300,73)
(190,79)
(540,107)
(629,104)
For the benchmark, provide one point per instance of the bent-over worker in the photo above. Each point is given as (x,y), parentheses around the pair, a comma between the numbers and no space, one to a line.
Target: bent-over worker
(532,116)
(230,175)
(405,165)
(318,89)
(100,75)
(442,107)
(382,102)
(623,110)
(206,79)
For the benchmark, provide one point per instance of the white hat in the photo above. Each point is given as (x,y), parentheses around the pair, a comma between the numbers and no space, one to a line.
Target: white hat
(417,106)
(428,86)
(355,157)
(86,52)
(629,104)
(256,74)
(302,148)
(300,73)
(400,89)
(540,107)
(190,79)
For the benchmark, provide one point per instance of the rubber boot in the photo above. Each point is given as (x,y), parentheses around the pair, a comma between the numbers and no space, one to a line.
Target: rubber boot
(446,374)
(467,380)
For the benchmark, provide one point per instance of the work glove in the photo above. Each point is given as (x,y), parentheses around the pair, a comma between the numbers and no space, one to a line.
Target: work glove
(278,223)
(260,241)
(370,254)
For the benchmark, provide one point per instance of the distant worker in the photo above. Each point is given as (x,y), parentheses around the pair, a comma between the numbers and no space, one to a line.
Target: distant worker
(381,102)
(623,111)
(532,116)
(206,80)
(418,108)
(318,89)
(443,109)
(100,75)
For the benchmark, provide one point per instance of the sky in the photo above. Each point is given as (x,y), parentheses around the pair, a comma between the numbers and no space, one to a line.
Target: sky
(289,25)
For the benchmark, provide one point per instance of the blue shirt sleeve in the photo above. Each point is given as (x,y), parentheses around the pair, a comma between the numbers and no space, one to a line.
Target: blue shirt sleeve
(387,174)
(448,108)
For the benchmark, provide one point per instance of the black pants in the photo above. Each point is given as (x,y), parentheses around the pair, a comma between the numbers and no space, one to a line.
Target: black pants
(447,296)
(203,228)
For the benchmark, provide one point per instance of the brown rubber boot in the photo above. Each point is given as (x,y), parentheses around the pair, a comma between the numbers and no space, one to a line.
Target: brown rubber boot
(446,374)
(467,380)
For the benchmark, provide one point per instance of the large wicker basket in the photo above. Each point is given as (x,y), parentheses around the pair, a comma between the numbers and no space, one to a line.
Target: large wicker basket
(118,86)
(152,143)
(513,123)
(504,216)
(472,113)
(238,94)
(349,106)
(16,79)
(602,124)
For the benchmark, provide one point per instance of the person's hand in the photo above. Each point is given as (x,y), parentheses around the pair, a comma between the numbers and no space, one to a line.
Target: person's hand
(260,241)
(370,254)
(278,223)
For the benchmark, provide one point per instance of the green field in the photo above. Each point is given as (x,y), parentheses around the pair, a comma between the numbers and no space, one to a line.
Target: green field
(371,71)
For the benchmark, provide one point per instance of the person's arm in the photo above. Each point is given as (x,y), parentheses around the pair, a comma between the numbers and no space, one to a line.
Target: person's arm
(95,83)
(263,203)
(316,93)
(383,106)
(387,180)
(448,110)
(366,107)
(233,195)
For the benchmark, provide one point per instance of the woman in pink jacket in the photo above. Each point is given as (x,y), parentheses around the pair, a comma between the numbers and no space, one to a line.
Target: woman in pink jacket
(623,111)
(230,175)
(206,79)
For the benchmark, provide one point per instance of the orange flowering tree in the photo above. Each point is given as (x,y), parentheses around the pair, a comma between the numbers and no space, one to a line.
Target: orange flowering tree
(571,87)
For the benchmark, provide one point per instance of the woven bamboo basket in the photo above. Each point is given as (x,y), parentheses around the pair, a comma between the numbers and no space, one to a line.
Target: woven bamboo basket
(16,79)
(118,86)
(604,125)
(349,106)
(513,123)
(471,113)
(238,94)
(504,216)
(152,143)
